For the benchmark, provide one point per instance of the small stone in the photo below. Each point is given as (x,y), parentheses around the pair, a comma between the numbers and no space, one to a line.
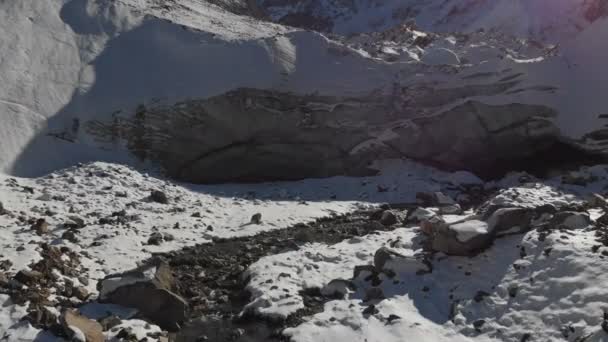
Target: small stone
(155,239)
(478,324)
(41,226)
(81,293)
(256,218)
(69,236)
(159,197)
(370,310)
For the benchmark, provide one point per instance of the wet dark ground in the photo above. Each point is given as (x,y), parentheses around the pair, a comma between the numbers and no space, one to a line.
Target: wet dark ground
(210,277)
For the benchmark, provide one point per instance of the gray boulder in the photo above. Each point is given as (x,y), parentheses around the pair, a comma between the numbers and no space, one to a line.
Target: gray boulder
(150,290)
(463,238)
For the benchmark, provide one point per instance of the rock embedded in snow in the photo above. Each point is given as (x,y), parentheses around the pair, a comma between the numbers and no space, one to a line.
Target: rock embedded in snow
(40,226)
(463,238)
(150,290)
(80,328)
(571,220)
(388,218)
(393,262)
(337,288)
(256,218)
(511,220)
(420,215)
(159,197)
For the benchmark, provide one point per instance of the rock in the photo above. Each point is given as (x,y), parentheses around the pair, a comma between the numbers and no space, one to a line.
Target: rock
(81,293)
(578,178)
(388,218)
(386,259)
(571,220)
(156,239)
(150,290)
(338,288)
(80,328)
(40,316)
(109,322)
(74,222)
(256,218)
(69,236)
(434,199)
(420,214)
(4,281)
(510,220)
(159,197)
(434,223)
(451,209)
(594,201)
(41,226)
(374,293)
(28,277)
(464,238)
(370,310)
(2,210)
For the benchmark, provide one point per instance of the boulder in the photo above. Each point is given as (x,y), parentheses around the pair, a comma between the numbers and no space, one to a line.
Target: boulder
(434,199)
(159,197)
(150,290)
(571,220)
(388,260)
(420,215)
(80,328)
(338,288)
(434,223)
(463,238)
(388,218)
(510,220)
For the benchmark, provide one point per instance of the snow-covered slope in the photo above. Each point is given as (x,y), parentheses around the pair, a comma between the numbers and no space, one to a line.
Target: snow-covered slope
(187,85)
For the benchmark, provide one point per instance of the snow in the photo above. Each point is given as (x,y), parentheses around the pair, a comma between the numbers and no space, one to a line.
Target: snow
(468,230)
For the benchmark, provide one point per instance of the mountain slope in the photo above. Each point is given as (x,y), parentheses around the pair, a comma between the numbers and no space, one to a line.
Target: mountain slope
(197,90)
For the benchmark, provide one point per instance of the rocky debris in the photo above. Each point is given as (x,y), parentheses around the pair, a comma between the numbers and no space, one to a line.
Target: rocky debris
(27,277)
(74,223)
(3,211)
(43,278)
(40,226)
(210,276)
(159,197)
(151,291)
(256,218)
(80,328)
